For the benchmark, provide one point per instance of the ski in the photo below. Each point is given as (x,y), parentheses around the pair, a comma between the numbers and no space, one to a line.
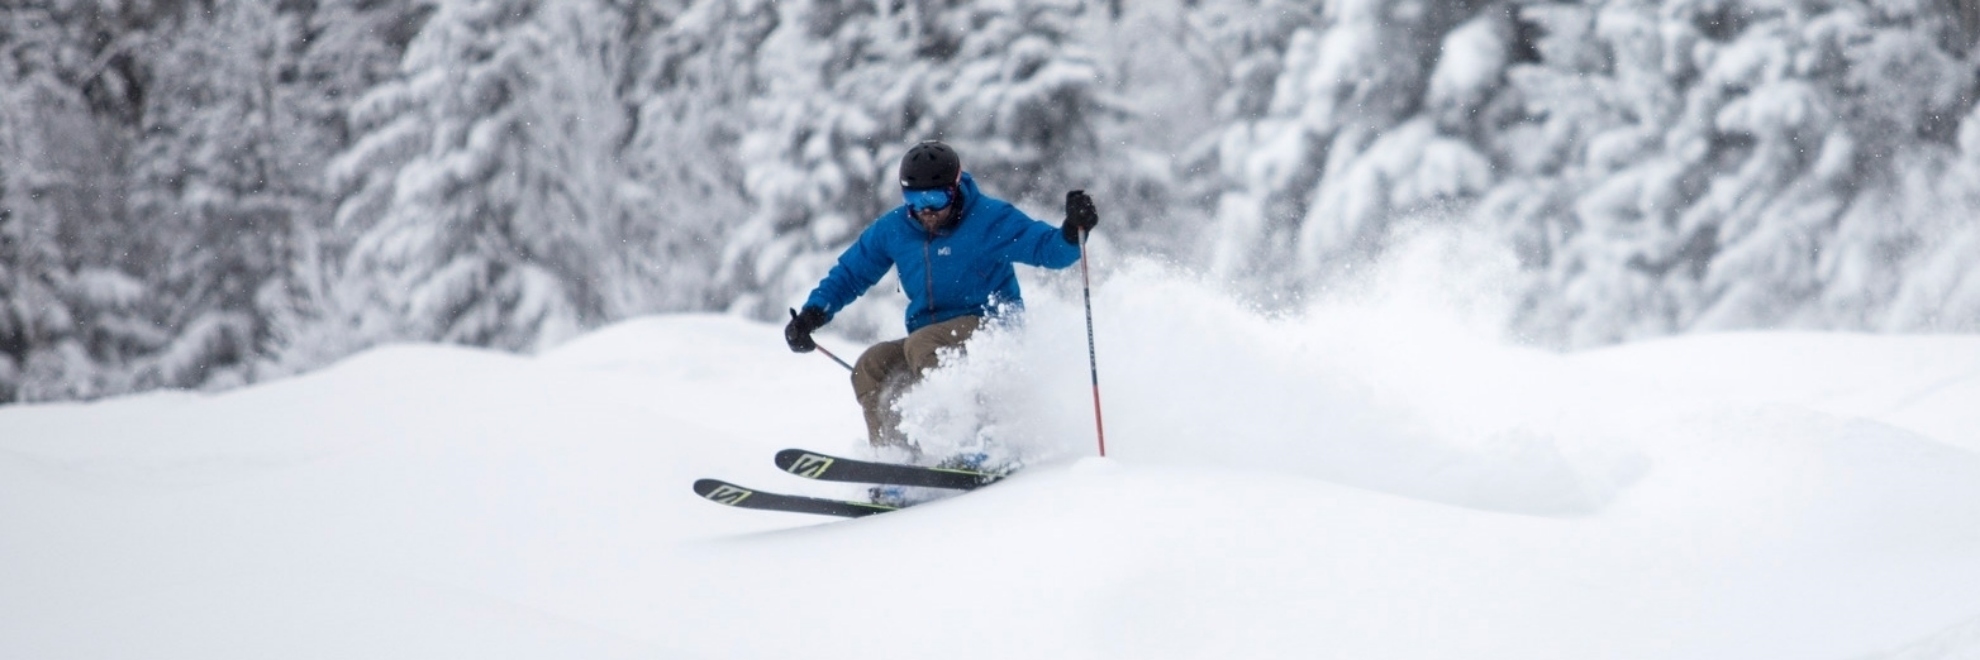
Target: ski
(725,493)
(823,467)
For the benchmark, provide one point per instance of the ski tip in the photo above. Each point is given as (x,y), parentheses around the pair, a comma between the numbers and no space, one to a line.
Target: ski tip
(721,492)
(789,456)
(803,463)
(872,509)
(703,487)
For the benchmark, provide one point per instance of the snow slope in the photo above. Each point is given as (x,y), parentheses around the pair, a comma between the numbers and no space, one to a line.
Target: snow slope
(1356,482)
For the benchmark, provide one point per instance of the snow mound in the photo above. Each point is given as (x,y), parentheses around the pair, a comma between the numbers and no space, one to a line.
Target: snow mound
(1351,482)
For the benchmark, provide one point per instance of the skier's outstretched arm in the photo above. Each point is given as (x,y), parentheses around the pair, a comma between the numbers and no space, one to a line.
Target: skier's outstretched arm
(859,267)
(1040,244)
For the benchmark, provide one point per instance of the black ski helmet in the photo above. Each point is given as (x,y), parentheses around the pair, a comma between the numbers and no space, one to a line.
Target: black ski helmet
(930,164)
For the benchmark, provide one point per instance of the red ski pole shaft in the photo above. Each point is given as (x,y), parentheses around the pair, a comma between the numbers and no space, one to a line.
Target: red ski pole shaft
(1092,357)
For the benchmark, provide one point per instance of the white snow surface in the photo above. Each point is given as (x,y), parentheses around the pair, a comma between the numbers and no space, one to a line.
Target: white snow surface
(1368,480)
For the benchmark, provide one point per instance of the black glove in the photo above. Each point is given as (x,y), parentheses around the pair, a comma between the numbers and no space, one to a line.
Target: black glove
(1080,216)
(798,333)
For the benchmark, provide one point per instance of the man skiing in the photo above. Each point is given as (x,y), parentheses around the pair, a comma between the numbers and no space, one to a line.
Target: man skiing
(953,247)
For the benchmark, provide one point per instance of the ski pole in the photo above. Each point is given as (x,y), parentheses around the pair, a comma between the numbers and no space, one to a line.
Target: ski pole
(835,358)
(1092,358)
(821,349)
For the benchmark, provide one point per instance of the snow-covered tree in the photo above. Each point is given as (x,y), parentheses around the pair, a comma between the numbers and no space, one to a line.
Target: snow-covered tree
(1591,193)
(345,48)
(484,188)
(1657,166)
(37,351)
(1333,156)
(216,192)
(1166,68)
(1940,287)
(693,71)
(70,83)
(1834,104)
(1712,164)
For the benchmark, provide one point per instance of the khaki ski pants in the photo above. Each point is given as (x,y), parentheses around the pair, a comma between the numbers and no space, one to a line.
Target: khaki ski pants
(889,367)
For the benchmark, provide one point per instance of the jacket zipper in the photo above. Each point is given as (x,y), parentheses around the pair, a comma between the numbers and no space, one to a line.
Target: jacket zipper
(928,259)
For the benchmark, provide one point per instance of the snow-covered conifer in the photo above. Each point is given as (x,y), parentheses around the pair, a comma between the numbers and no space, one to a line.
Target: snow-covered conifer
(693,73)
(1714,165)
(216,193)
(483,188)
(70,77)
(1315,183)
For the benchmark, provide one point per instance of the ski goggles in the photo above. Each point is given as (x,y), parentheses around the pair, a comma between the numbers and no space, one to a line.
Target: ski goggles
(927,199)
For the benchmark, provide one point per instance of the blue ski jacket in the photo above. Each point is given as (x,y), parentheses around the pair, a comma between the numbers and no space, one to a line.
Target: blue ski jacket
(961,271)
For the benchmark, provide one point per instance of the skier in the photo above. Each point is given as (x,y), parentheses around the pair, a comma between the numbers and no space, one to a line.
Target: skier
(953,247)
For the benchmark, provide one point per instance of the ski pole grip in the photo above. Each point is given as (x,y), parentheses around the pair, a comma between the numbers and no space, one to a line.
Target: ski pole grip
(821,349)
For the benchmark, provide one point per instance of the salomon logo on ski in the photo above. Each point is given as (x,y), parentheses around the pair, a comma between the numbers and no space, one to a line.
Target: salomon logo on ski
(730,495)
(810,466)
